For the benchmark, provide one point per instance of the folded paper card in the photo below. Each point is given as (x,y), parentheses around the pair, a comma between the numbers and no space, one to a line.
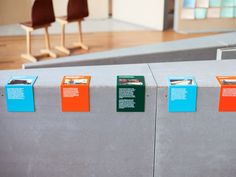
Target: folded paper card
(213,13)
(200,13)
(215,3)
(188,14)
(227,98)
(189,3)
(20,94)
(227,3)
(203,3)
(130,94)
(182,94)
(75,94)
(227,12)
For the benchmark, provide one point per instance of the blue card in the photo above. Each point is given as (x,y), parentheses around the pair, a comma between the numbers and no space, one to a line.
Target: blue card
(182,94)
(20,94)
(189,3)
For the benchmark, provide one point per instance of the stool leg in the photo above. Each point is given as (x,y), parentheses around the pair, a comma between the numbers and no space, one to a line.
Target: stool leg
(63,35)
(28,55)
(47,44)
(28,42)
(80,32)
(80,43)
(62,48)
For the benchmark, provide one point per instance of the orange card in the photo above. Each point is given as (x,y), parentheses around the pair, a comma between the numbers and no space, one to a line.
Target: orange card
(75,94)
(227,101)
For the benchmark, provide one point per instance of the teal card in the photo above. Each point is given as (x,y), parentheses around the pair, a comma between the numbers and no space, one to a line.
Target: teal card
(200,13)
(227,3)
(215,3)
(227,12)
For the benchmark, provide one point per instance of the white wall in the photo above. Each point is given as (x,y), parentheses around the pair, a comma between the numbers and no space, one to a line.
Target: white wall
(149,13)
(16,11)
(98,9)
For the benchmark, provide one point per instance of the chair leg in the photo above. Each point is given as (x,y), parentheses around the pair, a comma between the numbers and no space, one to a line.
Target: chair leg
(80,32)
(62,47)
(28,55)
(28,41)
(80,43)
(47,45)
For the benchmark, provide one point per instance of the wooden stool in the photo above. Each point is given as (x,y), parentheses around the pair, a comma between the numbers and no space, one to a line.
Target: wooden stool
(47,50)
(42,15)
(76,11)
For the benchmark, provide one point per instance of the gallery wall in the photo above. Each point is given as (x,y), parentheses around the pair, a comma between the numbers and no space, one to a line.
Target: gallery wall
(149,13)
(98,10)
(8,9)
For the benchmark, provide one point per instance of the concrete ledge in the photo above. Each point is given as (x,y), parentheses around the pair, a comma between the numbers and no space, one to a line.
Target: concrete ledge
(105,143)
(101,143)
(194,144)
(181,50)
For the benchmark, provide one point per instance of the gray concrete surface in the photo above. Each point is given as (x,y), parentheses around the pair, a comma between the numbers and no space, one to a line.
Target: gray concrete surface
(102,143)
(229,54)
(105,143)
(203,48)
(200,144)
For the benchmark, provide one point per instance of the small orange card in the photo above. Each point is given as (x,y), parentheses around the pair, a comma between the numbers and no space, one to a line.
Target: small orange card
(227,101)
(75,94)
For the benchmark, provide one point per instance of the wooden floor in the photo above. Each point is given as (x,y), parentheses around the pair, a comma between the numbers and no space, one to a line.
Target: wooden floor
(12,47)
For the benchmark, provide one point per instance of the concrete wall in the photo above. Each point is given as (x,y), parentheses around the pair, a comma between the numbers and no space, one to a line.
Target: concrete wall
(105,143)
(149,13)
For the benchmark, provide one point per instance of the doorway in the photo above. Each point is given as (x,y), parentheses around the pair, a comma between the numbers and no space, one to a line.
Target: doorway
(169,14)
(110,8)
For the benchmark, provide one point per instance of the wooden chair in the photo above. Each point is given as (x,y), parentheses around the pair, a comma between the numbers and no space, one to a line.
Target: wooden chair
(76,11)
(42,15)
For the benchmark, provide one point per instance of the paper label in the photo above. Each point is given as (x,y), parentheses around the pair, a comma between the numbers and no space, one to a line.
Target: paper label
(182,94)
(227,97)
(75,94)
(20,94)
(130,94)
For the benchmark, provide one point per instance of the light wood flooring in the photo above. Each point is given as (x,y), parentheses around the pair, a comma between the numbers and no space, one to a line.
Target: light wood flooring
(11,47)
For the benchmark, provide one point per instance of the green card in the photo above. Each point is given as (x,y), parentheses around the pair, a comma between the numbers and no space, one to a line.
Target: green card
(130,94)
